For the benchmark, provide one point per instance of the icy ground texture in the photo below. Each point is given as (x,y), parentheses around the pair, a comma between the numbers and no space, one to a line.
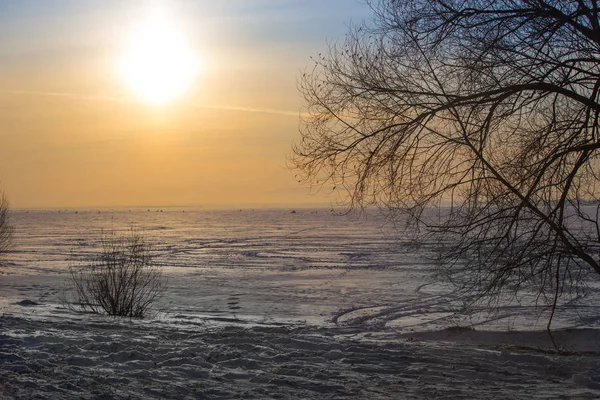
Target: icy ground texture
(112,359)
(270,304)
(266,265)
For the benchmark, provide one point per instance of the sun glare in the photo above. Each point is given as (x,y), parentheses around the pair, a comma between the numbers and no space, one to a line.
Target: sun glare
(158,64)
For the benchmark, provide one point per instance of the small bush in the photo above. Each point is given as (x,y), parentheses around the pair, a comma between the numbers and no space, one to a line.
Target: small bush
(6,229)
(121,281)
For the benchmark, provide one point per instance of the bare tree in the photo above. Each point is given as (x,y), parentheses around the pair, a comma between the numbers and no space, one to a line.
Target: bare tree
(6,230)
(121,281)
(478,120)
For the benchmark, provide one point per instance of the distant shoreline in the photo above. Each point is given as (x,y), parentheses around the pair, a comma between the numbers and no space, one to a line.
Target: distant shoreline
(207,207)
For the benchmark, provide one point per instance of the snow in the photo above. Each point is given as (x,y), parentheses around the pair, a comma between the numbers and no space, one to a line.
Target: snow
(268,304)
(107,358)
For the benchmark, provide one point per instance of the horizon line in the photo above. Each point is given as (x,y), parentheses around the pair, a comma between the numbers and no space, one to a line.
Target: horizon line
(193,207)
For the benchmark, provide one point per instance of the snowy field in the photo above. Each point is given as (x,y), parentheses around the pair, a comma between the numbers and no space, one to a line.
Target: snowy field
(272,304)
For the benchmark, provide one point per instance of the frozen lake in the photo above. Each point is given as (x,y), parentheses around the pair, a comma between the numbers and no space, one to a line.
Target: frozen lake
(267,304)
(262,265)
(245,264)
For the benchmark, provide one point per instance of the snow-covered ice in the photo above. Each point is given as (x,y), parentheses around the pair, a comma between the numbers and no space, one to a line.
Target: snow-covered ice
(272,304)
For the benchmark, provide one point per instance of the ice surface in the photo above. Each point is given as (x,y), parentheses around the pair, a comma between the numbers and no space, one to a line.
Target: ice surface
(270,304)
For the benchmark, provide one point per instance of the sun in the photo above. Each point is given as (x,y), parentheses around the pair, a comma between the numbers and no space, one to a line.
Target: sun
(157,62)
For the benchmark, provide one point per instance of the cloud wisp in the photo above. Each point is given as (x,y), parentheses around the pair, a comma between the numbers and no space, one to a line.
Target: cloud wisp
(76,96)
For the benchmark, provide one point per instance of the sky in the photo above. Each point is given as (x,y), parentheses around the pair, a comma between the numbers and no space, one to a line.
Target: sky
(75,131)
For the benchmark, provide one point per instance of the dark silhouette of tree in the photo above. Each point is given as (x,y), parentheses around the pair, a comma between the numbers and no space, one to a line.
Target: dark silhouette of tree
(477,120)
(6,229)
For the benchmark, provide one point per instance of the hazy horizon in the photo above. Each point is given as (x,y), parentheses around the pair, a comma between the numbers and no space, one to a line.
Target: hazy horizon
(208,207)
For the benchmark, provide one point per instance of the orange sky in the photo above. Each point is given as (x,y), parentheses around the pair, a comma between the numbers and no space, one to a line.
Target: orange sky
(73,134)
